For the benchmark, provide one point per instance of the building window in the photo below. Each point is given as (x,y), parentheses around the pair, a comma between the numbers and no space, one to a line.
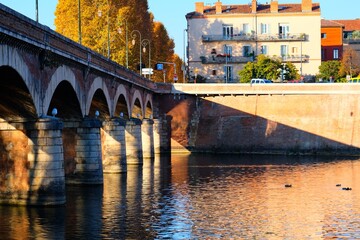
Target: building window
(264,28)
(228,73)
(246,51)
(264,49)
(323,53)
(228,50)
(294,50)
(246,28)
(228,31)
(323,35)
(336,53)
(284,30)
(213,72)
(284,50)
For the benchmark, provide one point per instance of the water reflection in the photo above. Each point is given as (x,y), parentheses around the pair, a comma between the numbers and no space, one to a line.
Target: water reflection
(204,197)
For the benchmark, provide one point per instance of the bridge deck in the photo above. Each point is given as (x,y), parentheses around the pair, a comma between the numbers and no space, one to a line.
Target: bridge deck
(265,89)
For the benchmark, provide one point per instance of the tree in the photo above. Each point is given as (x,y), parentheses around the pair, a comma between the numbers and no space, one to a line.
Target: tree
(268,68)
(291,72)
(329,69)
(247,73)
(164,52)
(105,24)
(350,63)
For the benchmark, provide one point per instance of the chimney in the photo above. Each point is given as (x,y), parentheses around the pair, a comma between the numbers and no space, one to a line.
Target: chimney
(199,7)
(253,6)
(306,5)
(274,6)
(218,6)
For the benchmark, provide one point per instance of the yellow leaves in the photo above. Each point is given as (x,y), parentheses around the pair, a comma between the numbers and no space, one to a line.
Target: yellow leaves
(110,23)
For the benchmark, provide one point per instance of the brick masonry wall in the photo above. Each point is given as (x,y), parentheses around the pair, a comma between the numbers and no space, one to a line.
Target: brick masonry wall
(296,123)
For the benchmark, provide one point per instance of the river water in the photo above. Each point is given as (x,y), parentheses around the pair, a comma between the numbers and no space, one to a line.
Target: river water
(205,197)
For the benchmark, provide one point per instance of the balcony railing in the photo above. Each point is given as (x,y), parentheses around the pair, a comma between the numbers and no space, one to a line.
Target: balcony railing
(225,59)
(351,40)
(295,58)
(253,37)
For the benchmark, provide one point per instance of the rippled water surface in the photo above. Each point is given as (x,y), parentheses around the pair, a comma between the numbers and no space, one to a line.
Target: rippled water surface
(205,197)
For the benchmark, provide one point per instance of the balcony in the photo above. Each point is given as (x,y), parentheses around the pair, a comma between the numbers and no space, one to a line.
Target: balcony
(351,40)
(253,37)
(295,58)
(223,59)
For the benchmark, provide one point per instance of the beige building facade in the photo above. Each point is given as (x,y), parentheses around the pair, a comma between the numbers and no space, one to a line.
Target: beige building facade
(223,38)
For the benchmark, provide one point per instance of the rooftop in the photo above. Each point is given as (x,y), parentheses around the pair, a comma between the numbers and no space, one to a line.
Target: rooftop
(350,25)
(247,9)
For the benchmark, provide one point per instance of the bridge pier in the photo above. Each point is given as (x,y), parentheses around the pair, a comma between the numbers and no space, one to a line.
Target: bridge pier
(147,130)
(161,136)
(31,163)
(87,159)
(134,153)
(113,146)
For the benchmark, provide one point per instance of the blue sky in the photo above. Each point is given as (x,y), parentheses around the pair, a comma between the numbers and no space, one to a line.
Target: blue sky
(172,12)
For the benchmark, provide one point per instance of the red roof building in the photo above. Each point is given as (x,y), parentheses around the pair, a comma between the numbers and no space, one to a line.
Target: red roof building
(331,40)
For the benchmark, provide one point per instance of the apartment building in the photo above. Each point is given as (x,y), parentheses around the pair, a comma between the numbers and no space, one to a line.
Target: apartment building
(331,40)
(223,38)
(350,39)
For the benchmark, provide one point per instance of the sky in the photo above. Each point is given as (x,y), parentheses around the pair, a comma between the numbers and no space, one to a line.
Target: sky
(172,12)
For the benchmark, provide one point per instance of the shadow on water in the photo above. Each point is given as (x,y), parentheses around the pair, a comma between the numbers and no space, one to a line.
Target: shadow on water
(260,159)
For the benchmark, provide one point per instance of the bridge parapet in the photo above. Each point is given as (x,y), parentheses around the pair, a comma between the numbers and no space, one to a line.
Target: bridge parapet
(207,89)
(23,32)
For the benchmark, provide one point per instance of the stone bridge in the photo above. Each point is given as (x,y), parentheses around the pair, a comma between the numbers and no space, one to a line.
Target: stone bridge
(67,114)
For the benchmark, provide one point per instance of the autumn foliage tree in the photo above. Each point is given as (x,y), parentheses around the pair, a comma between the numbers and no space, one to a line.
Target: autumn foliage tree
(109,28)
(350,63)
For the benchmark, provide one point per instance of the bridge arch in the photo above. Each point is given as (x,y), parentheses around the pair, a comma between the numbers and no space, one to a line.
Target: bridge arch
(148,109)
(98,98)
(10,57)
(62,76)
(121,102)
(137,105)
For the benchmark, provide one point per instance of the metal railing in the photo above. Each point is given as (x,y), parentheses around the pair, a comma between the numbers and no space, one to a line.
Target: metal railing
(225,59)
(295,58)
(254,37)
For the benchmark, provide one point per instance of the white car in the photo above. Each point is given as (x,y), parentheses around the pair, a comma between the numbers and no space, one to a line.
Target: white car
(259,80)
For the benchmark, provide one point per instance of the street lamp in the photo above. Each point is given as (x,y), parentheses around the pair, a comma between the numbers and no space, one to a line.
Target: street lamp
(37,10)
(126,42)
(140,42)
(79,20)
(108,27)
(145,42)
(184,62)
(226,63)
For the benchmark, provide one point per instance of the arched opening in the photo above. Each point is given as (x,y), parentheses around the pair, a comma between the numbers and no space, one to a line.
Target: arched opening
(16,106)
(137,111)
(148,110)
(66,102)
(15,98)
(121,109)
(99,104)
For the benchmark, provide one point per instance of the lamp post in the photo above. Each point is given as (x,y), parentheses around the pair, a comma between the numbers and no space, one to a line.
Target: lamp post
(133,34)
(37,10)
(184,62)
(108,27)
(145,42)
(126,42)
(226,63)
(79,20)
